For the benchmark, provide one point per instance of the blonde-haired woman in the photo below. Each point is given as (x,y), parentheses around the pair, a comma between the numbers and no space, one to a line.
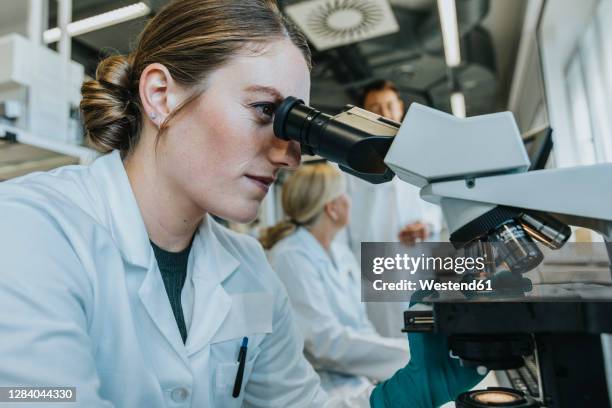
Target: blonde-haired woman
(323,284)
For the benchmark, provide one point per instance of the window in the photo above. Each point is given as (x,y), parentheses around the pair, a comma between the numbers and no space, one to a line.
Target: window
(587,79)
(579,111)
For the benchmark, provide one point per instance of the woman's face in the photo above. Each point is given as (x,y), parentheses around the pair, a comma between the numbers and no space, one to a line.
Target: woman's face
(386,103)
(220,152)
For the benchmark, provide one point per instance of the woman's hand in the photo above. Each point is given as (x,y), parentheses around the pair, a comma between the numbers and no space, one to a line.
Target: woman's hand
(411,233)
(430,379)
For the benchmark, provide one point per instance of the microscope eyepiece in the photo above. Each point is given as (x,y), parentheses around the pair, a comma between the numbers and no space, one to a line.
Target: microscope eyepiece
(280,116)
(356,139)
(292,121)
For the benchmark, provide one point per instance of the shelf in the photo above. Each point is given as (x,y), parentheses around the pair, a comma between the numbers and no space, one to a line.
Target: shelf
(18,159)
(85,155)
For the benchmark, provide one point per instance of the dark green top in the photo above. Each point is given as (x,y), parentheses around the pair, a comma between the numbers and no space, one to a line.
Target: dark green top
(173,268)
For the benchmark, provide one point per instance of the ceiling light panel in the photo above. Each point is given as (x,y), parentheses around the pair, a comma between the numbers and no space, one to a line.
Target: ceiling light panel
(333,23)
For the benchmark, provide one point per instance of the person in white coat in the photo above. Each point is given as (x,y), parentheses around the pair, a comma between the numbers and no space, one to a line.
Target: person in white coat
(388,212)
(322,279)
(87,293)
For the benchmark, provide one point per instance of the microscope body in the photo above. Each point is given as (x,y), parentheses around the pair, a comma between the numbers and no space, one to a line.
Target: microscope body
(478,173)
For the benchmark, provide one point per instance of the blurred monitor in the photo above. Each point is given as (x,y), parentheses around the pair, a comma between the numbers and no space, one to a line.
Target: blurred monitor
(538,143)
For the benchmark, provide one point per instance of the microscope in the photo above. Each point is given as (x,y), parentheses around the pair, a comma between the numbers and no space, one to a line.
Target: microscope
(547,341)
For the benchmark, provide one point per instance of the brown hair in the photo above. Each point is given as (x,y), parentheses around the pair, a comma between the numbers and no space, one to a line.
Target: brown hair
(304,196)
(377,85)
(191,38)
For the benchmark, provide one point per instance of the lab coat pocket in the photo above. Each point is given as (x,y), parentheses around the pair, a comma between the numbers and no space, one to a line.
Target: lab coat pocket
(225,378)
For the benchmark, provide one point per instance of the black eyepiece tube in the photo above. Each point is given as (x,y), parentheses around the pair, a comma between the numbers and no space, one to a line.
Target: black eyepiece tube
(356,139)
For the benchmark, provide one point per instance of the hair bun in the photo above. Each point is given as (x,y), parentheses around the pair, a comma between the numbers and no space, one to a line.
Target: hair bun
(109,109)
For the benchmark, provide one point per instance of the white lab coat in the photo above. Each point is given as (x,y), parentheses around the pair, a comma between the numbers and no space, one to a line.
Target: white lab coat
(83,304)
(339,340)
(378,213)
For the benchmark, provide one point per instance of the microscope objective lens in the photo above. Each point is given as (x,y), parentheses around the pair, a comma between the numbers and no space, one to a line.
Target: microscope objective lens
(515,247)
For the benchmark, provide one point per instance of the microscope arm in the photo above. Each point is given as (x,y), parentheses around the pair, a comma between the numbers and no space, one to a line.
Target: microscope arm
(582,196)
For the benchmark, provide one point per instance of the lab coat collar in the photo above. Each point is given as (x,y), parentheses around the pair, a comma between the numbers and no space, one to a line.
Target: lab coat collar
(121,216)
(210,264)
(121,213)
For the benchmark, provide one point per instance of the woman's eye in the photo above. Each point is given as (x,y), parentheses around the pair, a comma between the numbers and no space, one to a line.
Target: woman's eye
(265,110)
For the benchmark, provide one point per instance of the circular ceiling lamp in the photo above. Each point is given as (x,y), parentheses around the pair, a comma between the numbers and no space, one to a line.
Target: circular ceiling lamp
(333,23)
(344,19)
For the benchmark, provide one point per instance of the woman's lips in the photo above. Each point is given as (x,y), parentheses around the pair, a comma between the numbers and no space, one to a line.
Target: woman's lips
(261,181)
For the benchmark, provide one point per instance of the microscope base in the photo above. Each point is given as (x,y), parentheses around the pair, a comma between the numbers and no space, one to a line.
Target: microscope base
(567,337)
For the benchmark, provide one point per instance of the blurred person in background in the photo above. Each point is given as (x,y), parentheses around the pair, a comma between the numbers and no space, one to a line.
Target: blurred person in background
(322,278)
(388,212)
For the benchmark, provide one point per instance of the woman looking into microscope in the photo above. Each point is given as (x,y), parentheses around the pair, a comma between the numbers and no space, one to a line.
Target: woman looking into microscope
(118,280)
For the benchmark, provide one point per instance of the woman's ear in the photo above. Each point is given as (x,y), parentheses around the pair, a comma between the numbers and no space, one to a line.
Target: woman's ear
(331,210)
(157,92)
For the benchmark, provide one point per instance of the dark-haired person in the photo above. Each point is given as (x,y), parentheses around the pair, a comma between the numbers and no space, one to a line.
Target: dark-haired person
(388,212)
(114,277)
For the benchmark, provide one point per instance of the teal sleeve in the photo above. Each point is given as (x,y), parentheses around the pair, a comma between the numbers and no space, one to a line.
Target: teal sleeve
(430,379)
